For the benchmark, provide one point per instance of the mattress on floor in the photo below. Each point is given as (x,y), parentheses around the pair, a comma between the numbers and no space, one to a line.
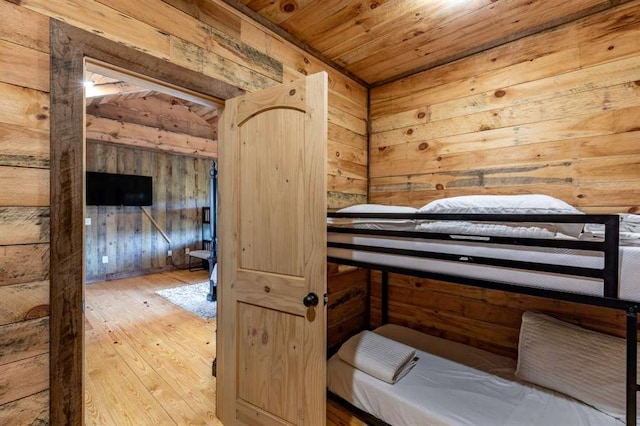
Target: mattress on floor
(455,384)
(629,262)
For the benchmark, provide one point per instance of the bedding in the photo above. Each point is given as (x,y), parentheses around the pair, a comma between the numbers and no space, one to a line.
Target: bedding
(375,223)
(629,262)
(487,229)
(535,204)
(584,364)
(629,229)
(455,384)
(471,239)
(382,358)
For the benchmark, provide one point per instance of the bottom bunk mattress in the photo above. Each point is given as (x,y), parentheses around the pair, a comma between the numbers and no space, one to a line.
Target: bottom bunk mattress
(455,384)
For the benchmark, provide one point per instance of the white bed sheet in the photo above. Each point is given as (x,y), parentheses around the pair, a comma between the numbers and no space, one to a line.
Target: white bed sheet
(455,384)
(629,262)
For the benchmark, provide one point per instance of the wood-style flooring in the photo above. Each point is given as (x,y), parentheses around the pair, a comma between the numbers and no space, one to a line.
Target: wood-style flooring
(148,362)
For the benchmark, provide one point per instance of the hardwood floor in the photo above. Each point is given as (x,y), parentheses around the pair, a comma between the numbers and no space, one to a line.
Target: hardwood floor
(148,362)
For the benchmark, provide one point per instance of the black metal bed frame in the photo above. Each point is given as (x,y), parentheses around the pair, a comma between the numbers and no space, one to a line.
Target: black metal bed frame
(609,273)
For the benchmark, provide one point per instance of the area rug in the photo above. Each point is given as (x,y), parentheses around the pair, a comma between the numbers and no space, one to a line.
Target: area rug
(193,298)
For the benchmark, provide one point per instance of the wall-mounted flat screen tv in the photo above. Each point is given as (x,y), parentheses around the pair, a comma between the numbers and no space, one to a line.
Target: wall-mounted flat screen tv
(109,189)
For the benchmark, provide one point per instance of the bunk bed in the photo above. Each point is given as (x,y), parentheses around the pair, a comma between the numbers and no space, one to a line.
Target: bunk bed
(514,250)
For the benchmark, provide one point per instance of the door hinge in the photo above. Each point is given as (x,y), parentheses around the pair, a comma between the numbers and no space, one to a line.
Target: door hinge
(325,298)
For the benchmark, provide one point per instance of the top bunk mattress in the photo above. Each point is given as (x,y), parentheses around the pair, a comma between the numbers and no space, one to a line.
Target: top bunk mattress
(629,262)
(455,384)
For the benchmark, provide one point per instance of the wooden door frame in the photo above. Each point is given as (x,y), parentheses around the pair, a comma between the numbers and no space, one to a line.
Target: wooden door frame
(69,48)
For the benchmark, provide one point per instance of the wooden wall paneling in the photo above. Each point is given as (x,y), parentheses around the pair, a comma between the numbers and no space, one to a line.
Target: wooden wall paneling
(21,186)
(23,378)
(91,250)
(30,410)
(24,263)
(201,60)
(194,203)
(347,308)
(24,225)
(539,115)
(23,66)
(544,89)
(160,200)
(174,170)
(23,302)
(23,147)
(179,24)
(24,107)
(346,147)
(423,148)
(576,106)
(191,238)
(609,36)
(23,340)
(211,13)
(147,229)
(348,121)
(126,235)
(491,318)
(92,254)
(92,16)
(24,27)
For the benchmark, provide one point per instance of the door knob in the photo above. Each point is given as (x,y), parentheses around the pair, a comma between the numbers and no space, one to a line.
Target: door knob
(310,300)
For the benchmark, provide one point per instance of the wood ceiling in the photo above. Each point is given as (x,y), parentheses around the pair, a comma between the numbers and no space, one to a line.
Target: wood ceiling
(379,41)
(121,112)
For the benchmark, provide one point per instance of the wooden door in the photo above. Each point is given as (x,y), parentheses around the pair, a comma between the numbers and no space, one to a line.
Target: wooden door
(271,348)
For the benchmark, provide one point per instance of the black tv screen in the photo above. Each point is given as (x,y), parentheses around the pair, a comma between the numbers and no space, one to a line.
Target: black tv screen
(108,189)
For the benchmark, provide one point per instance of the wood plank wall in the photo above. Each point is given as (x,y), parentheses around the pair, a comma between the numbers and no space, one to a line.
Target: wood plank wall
(125,234)
(201,35)
(555,113)
(24,216)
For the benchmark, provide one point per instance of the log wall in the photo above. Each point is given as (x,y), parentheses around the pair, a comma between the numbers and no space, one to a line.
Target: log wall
(201,35)
(554,113)
(125,234)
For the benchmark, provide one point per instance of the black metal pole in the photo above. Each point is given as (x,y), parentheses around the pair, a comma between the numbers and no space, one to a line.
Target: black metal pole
(385,297)
(611,257)
(632,364)
(213,209)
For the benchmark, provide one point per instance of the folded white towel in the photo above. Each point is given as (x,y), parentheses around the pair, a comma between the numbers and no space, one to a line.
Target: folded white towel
(378,356)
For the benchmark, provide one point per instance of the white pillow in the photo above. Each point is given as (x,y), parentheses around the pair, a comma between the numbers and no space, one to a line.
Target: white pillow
(377,208)
(507,204)
(584,364)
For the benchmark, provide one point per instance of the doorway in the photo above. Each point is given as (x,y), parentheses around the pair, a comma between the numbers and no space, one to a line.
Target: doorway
(149,328)
(70,48)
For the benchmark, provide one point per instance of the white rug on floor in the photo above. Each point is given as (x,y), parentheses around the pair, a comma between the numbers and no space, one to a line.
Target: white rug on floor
(193,298)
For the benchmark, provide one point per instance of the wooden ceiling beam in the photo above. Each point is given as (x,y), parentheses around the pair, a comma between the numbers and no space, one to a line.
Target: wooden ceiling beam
(108,89)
